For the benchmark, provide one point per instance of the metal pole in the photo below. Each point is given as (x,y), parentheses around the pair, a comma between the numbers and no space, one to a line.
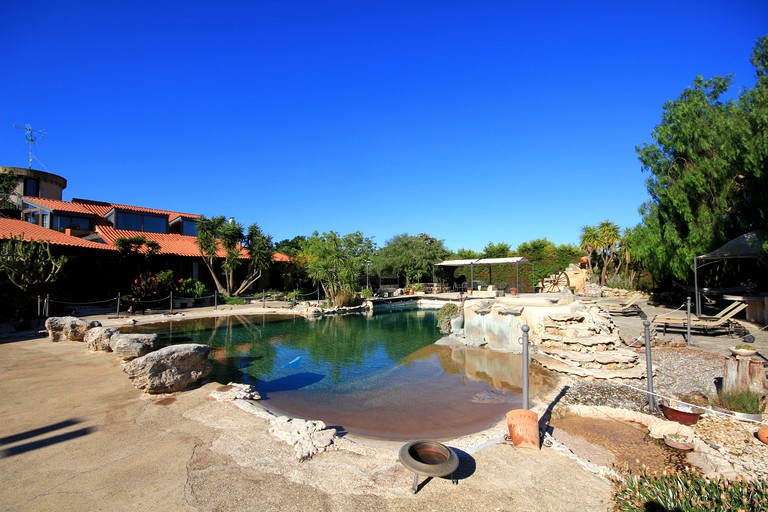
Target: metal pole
(39,304)
(648,365)
(263,297)
(46,304)
(696,287)
(118,305)
(215,300)
(171,302)
(688,323)
(525,366)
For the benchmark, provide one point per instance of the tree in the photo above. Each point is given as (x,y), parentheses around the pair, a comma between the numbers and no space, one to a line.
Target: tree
(467,254)
(500,250)
(610,238)
(547,258)
(707,170)
(335,262)
(225,248)
(8,182)
(589,242)
(411,256)
(29,264)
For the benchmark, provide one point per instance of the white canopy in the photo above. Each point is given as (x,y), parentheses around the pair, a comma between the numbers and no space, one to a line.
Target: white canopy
(485,261)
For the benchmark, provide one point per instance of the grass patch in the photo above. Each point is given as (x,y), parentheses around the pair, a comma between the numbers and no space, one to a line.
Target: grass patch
(746,402)
(687,491)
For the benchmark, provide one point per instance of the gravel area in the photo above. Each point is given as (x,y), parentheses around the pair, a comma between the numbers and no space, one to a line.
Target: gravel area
(677,372)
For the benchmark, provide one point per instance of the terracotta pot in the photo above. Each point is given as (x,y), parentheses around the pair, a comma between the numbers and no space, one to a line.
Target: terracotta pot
(762,434)
(682,417)
(523,426)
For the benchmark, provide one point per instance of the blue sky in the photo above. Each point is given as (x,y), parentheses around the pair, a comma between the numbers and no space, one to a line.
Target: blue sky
(474,122)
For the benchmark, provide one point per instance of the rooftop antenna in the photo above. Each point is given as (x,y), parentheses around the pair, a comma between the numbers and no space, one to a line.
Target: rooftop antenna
(31,136)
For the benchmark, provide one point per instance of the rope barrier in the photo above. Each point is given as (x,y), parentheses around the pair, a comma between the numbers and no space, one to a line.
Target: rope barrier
(643,391)
(81,303)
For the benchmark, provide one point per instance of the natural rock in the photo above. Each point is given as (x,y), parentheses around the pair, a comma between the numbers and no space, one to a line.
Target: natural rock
(97,338)
(306,437)
(66,328)
(170,369)
(235,391)
(131,346)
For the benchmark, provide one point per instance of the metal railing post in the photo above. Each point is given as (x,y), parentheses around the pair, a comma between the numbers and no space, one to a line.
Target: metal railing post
(215,300)
(688,323)
(648,365)
(171,302)
(39,306)
(525,366)
(118,305)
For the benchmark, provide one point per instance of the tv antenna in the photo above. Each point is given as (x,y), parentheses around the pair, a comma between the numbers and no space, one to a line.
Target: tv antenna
(31,136)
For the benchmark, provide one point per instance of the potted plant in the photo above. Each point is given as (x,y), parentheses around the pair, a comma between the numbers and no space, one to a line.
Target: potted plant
(743,350)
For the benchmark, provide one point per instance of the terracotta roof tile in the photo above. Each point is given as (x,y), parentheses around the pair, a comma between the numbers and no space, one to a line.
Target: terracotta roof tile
(14,227)
(102,209)
(58,206)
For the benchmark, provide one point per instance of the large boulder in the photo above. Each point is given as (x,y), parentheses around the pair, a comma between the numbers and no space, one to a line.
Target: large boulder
(131,346)
(170,369)
(66,328)
(97,339)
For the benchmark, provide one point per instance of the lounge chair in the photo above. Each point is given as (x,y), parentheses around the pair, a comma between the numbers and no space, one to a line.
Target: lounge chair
(628,308)
(703,323)
(679,314)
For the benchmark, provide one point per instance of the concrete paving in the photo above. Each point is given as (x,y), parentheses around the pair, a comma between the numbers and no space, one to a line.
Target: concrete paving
(78,436)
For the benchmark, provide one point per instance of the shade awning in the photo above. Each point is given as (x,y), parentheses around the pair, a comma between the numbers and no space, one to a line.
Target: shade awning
(747,245)
(483,261)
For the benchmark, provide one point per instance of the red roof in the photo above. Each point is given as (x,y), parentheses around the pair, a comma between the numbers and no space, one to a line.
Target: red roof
(102,209)
(15,227)
(59,206)
(170,243)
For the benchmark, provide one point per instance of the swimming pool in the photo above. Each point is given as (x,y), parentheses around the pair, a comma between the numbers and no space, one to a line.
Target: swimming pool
(380,376)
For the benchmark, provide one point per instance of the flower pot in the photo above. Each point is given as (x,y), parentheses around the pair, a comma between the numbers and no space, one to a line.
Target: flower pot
(742,351)
(523,426)
(762,434)
(680,414)
(678,442)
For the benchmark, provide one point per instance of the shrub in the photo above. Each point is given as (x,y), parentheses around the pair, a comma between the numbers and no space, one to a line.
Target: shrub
(444,316)
(192,288)
(687,491)
(366,293)
(745,401)
(234,301)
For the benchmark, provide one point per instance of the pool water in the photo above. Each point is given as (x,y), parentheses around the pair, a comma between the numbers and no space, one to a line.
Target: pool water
(380,376)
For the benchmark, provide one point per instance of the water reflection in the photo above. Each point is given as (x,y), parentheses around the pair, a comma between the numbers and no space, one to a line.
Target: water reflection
(381,376)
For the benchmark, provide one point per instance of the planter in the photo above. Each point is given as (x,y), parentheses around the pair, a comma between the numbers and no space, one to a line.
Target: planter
(681,414)
(678,442)
(742,351)
(743,416)
(523,426)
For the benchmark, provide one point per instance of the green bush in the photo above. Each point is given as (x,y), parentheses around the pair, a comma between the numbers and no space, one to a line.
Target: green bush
(234,301)
(687,491)
(366,293)
(192,288)
(746,401)
(444,316)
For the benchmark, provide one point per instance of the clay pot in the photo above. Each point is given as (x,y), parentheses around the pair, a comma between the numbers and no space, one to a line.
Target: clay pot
(762,434)
(682,417)
(523,426)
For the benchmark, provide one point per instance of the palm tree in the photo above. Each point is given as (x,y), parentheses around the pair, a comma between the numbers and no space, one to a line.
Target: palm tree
(589,243)
(610,237)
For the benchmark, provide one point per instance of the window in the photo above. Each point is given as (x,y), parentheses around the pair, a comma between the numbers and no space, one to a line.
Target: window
(62,222)
(31,187)
(139,222)
(189,228)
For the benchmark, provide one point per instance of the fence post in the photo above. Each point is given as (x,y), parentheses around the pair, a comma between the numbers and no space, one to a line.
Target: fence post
(525,366)
(39,301)
(46,303)
(648,365)
(215,300)
(117,314)
(263,298)
(171,302)
(688,323)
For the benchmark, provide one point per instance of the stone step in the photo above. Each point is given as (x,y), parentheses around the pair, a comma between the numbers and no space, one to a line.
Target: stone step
(596,343)
(609,359)
(637,372)
(567,318)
